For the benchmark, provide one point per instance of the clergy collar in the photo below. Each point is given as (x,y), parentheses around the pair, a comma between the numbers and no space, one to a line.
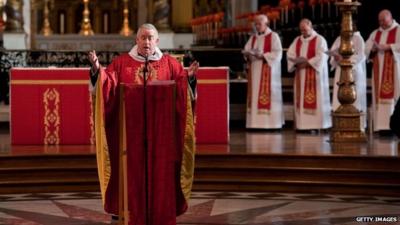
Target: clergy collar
(267,31)
(312,35)
(136,56)
(394,24)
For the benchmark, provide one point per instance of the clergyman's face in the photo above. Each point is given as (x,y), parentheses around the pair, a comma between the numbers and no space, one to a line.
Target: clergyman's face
(305,29)
(260,25)
(146,40)
(384,21)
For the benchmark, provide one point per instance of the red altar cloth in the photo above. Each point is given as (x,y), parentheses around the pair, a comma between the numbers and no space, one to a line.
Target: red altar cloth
(28,87)
(212,106)
(50,106)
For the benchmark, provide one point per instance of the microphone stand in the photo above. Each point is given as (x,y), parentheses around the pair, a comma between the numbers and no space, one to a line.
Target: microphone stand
(145,140)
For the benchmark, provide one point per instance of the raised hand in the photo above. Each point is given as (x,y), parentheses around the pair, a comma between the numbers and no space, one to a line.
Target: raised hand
(192,70)
(337,57)
(302,65)
(383,47)
(258,54)
(94,60)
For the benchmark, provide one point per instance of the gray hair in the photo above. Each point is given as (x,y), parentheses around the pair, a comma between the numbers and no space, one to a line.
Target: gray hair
(263,18)
(147,26)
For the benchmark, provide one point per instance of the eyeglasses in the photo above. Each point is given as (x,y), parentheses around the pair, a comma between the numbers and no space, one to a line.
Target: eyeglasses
(147,37)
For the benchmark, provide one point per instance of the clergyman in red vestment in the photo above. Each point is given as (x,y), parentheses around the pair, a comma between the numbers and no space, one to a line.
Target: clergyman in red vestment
(128,68)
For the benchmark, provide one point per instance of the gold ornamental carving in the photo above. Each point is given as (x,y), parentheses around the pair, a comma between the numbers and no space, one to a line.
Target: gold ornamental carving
(86,27)
(347,118)
(126,30)
(51,101)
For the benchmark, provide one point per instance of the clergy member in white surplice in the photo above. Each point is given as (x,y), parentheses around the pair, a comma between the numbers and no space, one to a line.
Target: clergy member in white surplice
(359,74)
(383,48)
(263,52)
(306,56)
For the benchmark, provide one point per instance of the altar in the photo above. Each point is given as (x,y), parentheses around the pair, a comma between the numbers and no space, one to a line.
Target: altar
(54,106)
(50,106)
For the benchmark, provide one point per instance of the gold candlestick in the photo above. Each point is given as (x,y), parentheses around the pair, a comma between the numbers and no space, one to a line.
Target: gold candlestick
(346,119)
(126,30)
(86,28)
(46,29)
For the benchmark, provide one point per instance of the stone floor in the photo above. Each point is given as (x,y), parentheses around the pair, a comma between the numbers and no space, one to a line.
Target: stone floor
(210,208)
(242,141)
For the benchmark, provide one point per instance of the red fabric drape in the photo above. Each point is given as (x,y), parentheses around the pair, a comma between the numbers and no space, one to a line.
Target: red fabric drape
(163,157)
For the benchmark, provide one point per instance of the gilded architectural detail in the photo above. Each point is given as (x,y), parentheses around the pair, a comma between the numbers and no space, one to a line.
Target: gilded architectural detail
(13,9)
(86,27)
(46,29)
(126,30)
(162,12)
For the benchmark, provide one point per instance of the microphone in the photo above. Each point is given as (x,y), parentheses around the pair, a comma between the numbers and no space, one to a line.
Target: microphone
(146,63)
(145,68)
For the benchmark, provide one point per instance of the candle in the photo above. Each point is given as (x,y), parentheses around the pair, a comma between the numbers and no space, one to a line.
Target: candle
(62,23)
(105,23)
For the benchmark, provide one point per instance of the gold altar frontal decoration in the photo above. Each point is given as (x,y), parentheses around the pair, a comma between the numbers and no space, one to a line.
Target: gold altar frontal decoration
(346,118)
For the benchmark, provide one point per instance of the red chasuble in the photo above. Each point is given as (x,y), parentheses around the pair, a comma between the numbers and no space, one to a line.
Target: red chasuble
(125,69)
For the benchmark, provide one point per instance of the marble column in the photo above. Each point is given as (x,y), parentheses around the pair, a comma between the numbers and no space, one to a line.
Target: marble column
(239,7)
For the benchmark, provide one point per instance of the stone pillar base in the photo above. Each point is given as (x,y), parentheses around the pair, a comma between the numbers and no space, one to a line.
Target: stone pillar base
(15,41)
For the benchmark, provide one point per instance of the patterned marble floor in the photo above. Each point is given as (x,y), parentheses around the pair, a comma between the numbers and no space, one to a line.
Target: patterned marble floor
(210,208)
